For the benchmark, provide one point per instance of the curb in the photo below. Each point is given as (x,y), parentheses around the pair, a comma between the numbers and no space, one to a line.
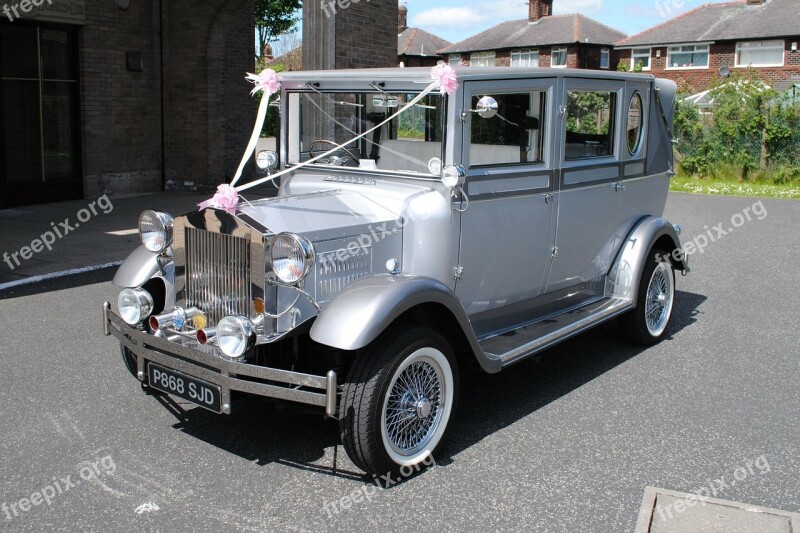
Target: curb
(55,275)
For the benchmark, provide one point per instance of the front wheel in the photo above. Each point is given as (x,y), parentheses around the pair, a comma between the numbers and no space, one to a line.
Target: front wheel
(647,324)
(398,400)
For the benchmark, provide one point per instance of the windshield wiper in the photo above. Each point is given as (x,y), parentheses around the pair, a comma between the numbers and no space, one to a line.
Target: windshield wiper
(337,102)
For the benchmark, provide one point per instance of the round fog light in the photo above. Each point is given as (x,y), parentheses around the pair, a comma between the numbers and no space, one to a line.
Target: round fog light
(134,305)
(235,335)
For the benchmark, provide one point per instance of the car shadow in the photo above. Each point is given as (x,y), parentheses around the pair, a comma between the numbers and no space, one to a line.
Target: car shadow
(299,438)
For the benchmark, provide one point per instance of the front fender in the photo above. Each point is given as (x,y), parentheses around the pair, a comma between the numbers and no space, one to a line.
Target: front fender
(141,266)
(626,273)
(366,308)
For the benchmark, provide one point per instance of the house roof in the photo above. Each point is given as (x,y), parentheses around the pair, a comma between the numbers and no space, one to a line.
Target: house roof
(556,29)
(417,42)
(730,21)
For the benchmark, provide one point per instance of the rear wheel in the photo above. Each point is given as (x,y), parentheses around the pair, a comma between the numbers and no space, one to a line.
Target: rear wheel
(647,324)
(398,400)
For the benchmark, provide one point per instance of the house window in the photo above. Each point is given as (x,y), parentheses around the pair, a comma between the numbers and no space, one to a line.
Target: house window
(640,55)
(454,60)
(590,124)
(525,58)
(482,59)
(688,56)
(605,58)
(760,54)
(559,57)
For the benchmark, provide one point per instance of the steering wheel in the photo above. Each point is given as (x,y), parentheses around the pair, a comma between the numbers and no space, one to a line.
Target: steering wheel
(339,161)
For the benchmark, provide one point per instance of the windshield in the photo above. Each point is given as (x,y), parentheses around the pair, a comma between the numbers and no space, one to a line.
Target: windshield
(411,142)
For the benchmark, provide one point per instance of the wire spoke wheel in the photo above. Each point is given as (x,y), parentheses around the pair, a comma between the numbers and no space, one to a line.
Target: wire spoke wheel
(413,408)
(659,299)
(647,323)
(398,399)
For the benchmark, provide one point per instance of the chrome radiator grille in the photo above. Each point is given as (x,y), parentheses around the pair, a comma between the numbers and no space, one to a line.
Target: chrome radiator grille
(217,274)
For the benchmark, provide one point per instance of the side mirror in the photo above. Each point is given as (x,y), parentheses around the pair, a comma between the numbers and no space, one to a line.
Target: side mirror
(487,107)
(267,160)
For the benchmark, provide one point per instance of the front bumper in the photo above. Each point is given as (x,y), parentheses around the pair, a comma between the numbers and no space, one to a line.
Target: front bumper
(229,376)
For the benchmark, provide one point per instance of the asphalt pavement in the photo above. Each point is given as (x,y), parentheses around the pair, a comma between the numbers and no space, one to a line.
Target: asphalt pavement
(566,442)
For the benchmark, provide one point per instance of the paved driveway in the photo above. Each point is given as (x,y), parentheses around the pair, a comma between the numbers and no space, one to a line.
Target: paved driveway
(564,443)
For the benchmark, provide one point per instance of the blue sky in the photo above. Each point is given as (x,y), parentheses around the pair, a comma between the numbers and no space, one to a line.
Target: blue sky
(456,20)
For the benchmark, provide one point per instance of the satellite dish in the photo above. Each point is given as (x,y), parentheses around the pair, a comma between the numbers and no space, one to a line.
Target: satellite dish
(724,72)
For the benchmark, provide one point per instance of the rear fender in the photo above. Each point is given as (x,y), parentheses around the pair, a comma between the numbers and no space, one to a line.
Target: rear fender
(626,273)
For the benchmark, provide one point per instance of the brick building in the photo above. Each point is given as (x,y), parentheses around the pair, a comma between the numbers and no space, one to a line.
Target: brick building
(694,48)
(541,40)
(361,35)
(416,47)
(118,97)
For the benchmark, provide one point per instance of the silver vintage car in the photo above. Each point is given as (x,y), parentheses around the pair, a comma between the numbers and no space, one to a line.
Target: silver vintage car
(483,226)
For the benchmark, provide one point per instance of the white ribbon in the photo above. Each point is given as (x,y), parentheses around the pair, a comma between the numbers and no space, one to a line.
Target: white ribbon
(251,146)
(429,89)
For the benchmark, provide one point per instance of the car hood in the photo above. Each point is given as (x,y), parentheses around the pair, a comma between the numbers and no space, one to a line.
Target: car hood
(321,215)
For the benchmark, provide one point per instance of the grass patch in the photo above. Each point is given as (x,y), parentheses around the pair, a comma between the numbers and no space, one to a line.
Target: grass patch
(735,187)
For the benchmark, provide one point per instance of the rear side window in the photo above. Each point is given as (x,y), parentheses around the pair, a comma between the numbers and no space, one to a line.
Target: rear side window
(590,124)
(514,135)
(634,129)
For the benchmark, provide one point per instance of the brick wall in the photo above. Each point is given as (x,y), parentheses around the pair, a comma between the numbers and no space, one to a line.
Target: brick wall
(208,111)
(721,54)
(121,110)
(362,35)
(208,47)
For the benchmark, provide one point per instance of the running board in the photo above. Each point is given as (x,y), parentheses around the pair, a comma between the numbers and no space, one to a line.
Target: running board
(514,346)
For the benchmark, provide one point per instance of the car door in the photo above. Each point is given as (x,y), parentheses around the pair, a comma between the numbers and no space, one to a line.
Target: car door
(588,196)
(506,229)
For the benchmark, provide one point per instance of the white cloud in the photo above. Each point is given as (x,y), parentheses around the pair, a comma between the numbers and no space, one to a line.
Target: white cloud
(448,17)
(578,6)
(501,10)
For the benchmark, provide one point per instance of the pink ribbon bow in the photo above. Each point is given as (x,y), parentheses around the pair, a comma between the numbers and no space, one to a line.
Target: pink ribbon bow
(267,81)
(226,198)
(446,78)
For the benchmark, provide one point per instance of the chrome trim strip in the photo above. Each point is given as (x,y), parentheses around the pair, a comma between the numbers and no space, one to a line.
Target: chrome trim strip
(613,308)
(332,389)
(106,326)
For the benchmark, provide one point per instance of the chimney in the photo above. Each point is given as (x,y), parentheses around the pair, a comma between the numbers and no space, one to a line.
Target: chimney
(402,18)
(538,9)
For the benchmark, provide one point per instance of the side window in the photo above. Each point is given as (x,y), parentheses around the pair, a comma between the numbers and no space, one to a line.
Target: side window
(590,124)
(634,128)
(514,135)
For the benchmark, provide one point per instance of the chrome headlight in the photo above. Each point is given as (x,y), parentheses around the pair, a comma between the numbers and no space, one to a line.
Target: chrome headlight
(135,305)
(292,257)
(155,229)
(235,335)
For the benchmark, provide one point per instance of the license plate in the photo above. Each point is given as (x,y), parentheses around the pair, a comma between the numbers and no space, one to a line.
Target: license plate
(194,390)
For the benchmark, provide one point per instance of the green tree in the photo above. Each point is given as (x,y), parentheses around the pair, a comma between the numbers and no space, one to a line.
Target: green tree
(274,18)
